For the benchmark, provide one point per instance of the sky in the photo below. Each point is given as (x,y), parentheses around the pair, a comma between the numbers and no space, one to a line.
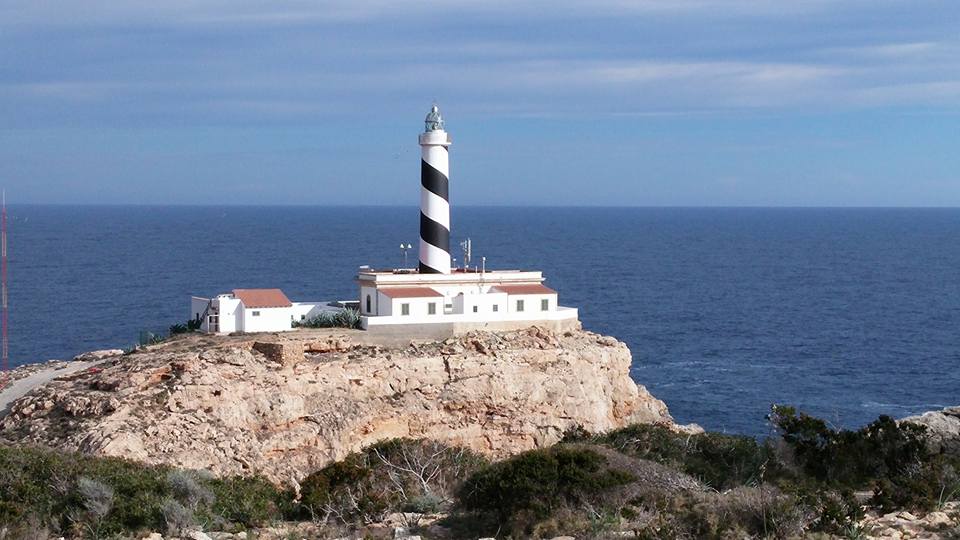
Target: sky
(606,102)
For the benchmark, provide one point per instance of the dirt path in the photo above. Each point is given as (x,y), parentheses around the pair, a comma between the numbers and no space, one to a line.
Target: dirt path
(21,387)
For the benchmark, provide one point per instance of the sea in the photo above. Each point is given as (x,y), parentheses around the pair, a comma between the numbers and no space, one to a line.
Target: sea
(847,314)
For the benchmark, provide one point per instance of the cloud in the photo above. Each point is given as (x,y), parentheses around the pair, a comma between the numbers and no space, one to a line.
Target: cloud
(284,12)
(298,60)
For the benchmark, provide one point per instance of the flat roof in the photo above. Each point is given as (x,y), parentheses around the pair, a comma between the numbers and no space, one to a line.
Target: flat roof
(409,292)
(415,272)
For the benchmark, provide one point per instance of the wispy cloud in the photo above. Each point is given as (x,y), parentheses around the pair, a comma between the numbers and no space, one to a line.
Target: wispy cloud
(282,60)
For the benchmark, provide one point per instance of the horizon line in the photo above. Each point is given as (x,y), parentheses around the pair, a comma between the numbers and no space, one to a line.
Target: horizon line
(519,205)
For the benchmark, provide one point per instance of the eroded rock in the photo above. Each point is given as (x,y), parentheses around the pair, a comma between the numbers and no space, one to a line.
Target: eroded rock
(230,410)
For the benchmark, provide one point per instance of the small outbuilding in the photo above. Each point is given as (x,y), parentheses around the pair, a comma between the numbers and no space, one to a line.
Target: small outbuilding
(251,310)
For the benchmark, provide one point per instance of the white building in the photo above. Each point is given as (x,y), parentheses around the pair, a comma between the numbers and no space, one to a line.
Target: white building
(463,300)
(433,300)
(252,310)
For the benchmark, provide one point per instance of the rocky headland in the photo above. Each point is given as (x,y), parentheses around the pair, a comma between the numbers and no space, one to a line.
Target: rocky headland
(284,405)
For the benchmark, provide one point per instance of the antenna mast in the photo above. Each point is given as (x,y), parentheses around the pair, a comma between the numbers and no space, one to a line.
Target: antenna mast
(3,283)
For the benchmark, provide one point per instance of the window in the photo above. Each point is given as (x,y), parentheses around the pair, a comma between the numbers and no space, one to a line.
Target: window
(369,304)
(303,317)
(496,308)
(519,305)
(432,308)
(255,314)
(544,304)
(404,309)
(475,309)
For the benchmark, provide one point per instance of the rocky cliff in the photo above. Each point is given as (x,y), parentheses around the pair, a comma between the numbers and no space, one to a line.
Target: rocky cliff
(285,405)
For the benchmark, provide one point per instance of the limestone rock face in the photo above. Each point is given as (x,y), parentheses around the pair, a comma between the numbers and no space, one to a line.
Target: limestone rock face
(943,429)
(284,411)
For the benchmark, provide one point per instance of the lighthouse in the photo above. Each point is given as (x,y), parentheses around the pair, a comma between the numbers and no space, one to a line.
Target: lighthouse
(436,301)
(434,196)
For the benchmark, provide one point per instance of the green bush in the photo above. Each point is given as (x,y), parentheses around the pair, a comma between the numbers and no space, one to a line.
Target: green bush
(891,459)
(77,494)
(531,486)
(191,325)
(719,461)
(250,501)
(882,449)
(345,318)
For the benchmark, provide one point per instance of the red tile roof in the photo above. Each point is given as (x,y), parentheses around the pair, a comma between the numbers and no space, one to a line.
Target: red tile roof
(532,288)
(409,292)
(262,298)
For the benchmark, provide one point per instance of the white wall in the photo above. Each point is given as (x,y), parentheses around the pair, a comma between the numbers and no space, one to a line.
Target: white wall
(531,302)
(484,304)
(234,318)
(231,313)
(532,317)
(382,304)
(302,311)
(374,301)
(273,319)
(418,306)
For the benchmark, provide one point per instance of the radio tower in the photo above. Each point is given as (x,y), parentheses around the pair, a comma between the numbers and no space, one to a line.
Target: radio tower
(3,284)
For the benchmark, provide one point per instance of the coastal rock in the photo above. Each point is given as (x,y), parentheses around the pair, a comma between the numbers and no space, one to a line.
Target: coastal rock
(944,523)
(235,407)
(97,355)
(943,429)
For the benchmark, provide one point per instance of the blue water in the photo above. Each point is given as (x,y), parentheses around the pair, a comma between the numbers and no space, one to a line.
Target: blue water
(846,313)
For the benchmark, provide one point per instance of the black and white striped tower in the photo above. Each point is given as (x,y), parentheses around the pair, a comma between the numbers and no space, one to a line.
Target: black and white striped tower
(434,196)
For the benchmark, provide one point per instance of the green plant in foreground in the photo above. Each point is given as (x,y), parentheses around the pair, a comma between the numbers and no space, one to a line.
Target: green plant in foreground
(344,318)
(530,486)
(70,493)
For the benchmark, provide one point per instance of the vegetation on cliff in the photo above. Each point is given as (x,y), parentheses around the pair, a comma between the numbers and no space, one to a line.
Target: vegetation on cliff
(646,480)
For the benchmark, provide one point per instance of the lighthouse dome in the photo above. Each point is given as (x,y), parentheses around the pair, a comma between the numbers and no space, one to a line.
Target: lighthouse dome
(434,120)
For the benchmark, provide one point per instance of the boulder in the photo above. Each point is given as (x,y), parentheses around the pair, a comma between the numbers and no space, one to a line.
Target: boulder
(943,429)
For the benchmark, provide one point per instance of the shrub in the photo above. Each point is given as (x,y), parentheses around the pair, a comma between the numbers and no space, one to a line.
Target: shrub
(720,461)
(187,490)
(97,500)
(250,501)
(531,486)
(891,459)
(390,476)
(66,492)
(178,517)
(345,318)
(882,449)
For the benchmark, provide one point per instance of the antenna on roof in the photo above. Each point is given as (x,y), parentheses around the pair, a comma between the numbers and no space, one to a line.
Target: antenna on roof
(467,252)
